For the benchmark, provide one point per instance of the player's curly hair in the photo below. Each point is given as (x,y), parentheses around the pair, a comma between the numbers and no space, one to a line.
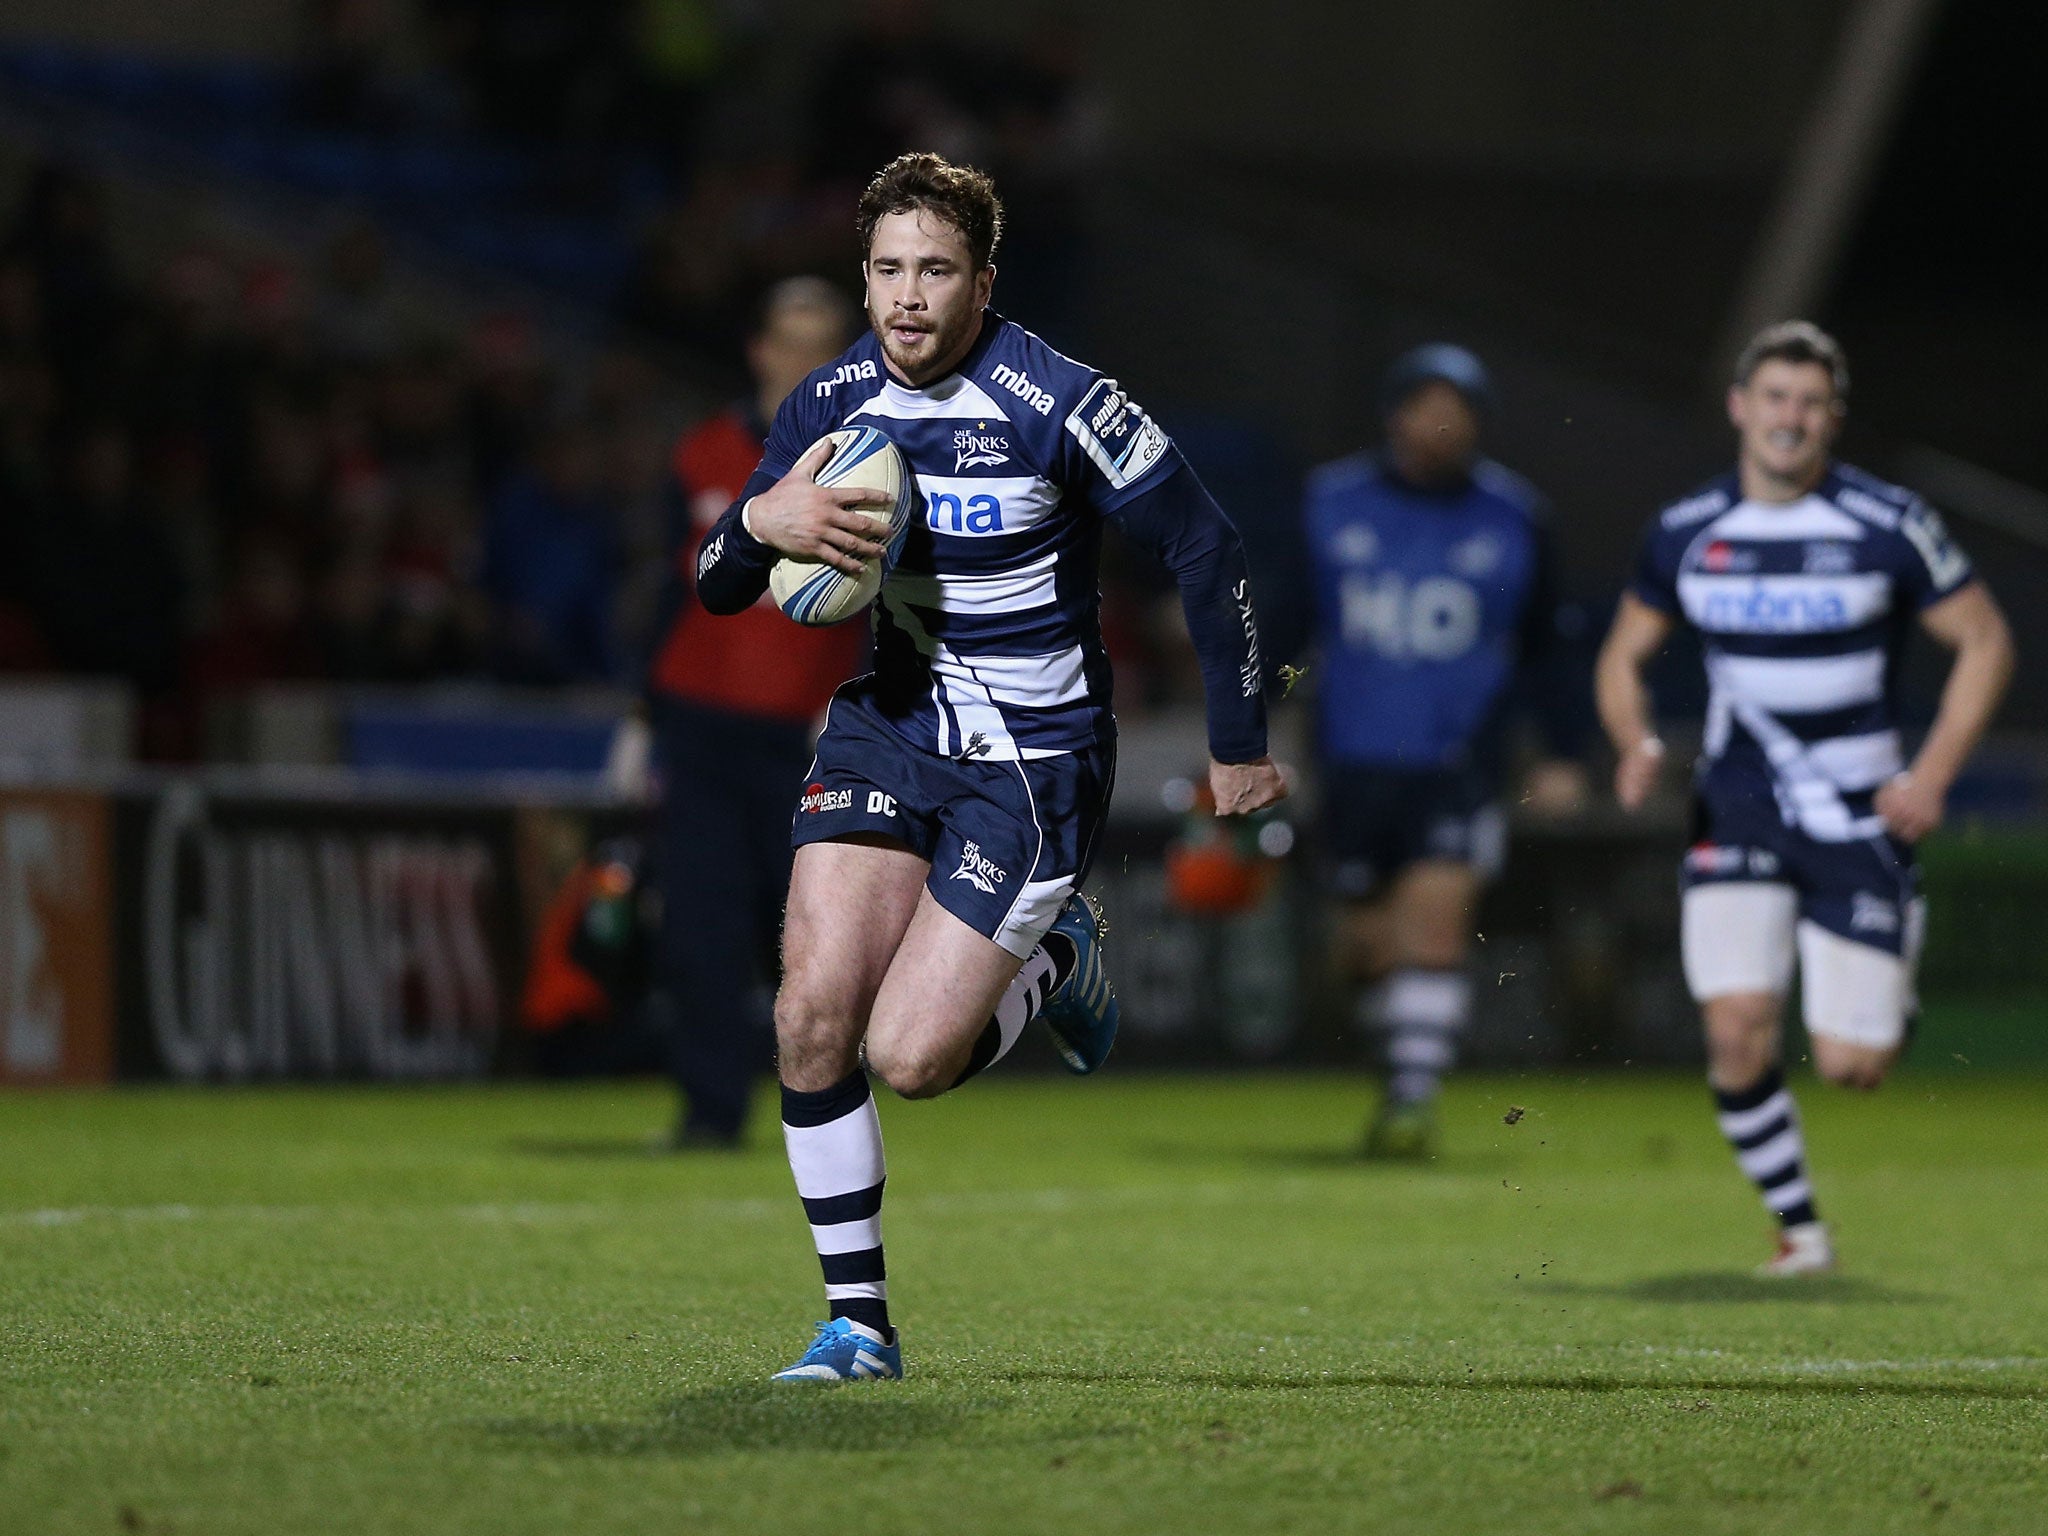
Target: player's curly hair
(1795,341)
(964,197)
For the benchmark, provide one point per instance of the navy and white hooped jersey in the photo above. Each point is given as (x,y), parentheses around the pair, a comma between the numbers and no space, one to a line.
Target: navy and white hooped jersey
(1803,610)
(1425,602)
(987,640)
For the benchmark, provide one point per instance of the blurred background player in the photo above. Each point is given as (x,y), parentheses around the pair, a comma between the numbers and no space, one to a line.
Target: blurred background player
(735,706)
(1433,590)
(1804,577)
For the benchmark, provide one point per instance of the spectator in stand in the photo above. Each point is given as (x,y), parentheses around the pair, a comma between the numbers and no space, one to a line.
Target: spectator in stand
(550,564)
(436,621)
(347,76)
(921,85)
(735,703)
(104,578)
(27,397)
(507,396)
(355,311)
(263,633)
(60,231)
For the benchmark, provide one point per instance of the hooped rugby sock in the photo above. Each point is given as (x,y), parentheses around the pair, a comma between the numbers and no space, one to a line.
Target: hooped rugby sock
(1421,1011)
(1034,982)
(834,1137)
(1762,1124)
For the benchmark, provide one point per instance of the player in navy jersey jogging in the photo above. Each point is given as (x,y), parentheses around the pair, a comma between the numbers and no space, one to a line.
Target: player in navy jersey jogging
(1435,609)
(951,814)
(1804,577)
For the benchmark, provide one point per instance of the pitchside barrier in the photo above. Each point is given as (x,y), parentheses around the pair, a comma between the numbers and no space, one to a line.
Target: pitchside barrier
(231,926)
(228,927)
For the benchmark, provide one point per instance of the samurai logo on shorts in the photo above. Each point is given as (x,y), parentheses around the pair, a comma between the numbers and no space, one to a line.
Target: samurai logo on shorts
(818,798)
(979,870)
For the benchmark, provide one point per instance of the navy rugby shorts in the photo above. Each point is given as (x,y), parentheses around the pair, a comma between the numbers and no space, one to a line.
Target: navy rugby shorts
(1377,821)
(1008,842)
(1862,890)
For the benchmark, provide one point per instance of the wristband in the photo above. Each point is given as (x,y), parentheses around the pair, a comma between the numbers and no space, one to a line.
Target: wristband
(746,521)
(1652,745)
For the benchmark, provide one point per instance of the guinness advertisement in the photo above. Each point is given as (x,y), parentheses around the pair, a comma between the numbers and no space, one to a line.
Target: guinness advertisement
(267,938)
(56,946)
(176,928)
(220,928)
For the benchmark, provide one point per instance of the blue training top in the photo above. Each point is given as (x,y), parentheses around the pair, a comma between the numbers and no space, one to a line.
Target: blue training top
(1425,601)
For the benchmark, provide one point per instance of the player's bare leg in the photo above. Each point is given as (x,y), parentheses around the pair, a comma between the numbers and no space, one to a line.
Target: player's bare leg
(1431,910)
(871,958)
(1761,1122)
(1415,942)
(935,1002)
(1742,1037)
(1851,1065)
(850,903)
(1424,919)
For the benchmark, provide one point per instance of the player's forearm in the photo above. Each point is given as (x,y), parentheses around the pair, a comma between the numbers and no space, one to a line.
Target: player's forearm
(732,565)
(1623,699)
(1976,683)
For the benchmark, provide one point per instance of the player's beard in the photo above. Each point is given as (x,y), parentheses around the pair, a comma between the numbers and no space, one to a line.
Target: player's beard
(940,350)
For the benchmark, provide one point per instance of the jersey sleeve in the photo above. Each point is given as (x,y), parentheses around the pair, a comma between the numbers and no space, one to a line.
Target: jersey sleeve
(1931,564)
(1656,575)
(1174,517)
(733,565)
(1110,450)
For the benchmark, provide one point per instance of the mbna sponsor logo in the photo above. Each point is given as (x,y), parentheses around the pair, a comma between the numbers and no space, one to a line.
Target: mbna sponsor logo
(1019,384)
(846,373)
(1759,610)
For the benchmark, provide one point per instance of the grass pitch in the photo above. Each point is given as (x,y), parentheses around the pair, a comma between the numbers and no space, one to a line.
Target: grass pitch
(1130,1304)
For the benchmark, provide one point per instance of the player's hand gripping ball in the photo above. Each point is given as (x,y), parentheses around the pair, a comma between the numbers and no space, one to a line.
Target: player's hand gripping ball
(812,592)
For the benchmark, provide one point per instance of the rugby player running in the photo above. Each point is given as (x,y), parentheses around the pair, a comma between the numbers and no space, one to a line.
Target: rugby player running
(950,817)
(1804,577)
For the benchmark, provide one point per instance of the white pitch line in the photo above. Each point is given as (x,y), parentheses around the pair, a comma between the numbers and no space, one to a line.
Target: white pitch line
(77,1215)
(1991,1363)
(1045,1201)
(533,1213)
(1828,1367)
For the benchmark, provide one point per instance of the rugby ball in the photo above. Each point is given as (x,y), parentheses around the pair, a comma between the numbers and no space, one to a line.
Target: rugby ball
(812,592)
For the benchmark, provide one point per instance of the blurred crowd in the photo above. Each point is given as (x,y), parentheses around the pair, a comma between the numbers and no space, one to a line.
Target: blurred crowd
(219,471)
(215,474)
(725,133)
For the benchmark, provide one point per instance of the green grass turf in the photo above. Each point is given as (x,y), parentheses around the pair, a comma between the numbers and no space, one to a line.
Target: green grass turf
(1132,1304)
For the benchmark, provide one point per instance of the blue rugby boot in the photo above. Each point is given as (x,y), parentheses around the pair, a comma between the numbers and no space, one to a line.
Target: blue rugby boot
(845,1351)
(1081,1013)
